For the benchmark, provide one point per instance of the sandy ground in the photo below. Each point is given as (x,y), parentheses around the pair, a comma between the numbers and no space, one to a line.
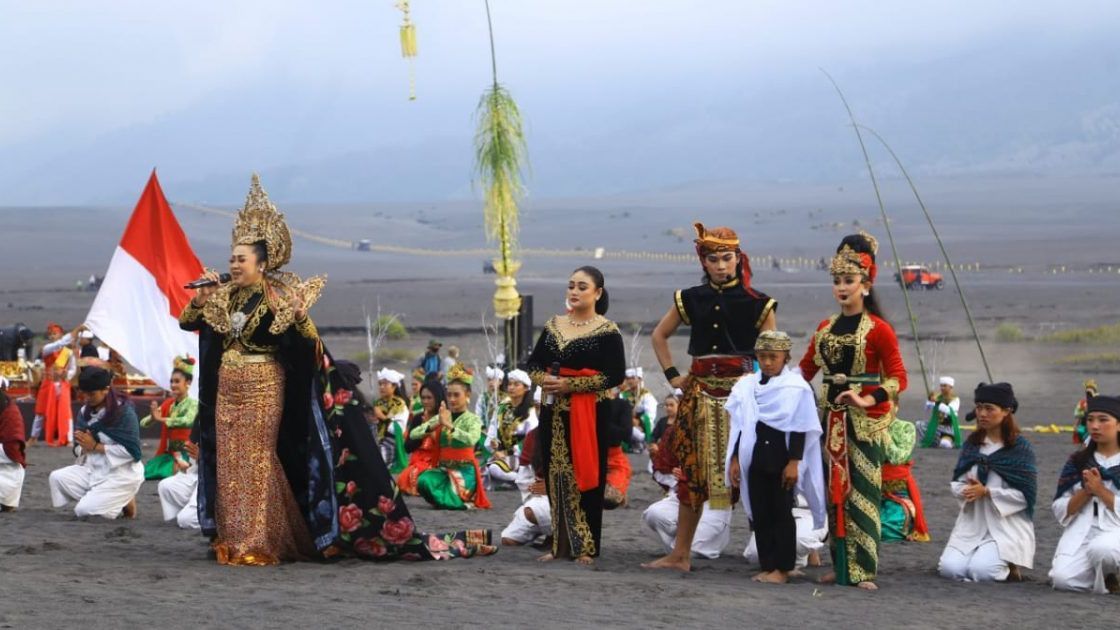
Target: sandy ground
(61,571)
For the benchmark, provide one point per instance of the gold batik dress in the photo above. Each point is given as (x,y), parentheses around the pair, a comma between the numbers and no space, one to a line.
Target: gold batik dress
(258,519)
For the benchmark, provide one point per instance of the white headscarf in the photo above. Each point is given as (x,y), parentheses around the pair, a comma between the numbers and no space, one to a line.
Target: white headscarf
(634,372)
(948,380)
(521,377)
(494,373)
(390,375)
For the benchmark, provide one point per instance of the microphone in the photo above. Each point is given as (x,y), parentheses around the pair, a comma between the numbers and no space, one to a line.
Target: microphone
(207,282)
(555,371)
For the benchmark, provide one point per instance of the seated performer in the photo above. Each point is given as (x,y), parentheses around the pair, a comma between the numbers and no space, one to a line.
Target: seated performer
(108,474)
(901,514)
(514,417)
(995,482)
(1086,505)
(1080,432)
(775,436)
(456,481)
(178,494)
(714,530)
(672,404)
(809,541)
(532,521)
(391,415)
(12,441)
(943,429)
(423,450)
(177,415)
(617,433)
(644,409)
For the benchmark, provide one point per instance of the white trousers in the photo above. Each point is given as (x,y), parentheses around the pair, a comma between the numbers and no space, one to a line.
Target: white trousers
(97,495)
(499,475)
(713,532)
(808,539)
(11,484)
(982,565)
(1084,570)
(178,496)
(524,531)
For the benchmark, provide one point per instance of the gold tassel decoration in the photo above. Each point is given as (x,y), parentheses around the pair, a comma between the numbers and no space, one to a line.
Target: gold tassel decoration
(408,45)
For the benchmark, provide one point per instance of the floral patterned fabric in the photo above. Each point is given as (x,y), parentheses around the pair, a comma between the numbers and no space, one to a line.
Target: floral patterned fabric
(373,520)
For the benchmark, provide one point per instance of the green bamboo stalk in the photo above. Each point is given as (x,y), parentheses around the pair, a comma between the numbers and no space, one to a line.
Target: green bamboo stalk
(941,245)
(890,234)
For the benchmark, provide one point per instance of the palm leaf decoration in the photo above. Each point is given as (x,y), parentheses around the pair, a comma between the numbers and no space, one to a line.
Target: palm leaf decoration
(500,158)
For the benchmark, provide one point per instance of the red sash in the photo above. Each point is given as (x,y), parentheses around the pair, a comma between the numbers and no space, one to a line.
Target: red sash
(582,436)
(896,472)
(167,435)
(839,485)
(462,454)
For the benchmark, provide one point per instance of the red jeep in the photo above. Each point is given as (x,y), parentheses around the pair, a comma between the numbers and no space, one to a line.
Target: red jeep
(920,277)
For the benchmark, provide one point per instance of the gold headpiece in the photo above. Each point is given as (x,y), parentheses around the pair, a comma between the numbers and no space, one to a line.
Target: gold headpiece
(872,241)
(774,340)
(259,220)
(461,374)
(848,260)
(184,364)
(720,239)
(1091,385)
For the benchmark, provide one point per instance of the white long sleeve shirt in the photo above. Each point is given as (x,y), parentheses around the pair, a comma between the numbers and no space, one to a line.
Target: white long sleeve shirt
(1001,516)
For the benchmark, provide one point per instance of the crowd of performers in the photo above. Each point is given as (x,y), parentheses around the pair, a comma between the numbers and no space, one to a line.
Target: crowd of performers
(281,457)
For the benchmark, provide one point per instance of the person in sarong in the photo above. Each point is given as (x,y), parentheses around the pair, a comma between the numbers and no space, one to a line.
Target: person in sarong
(390,415)
(176,415)
(13,448)
(53,415)
(577,358)
(514,418)
(288,468)
(725,314)
(901,512)
(108,472)
(644,405)
(775,441)
(943,429)
(996,484)
(671,404)
(423,450)
(857,351)
(1080,411)
(618,433)
(455,482)
(1088,508)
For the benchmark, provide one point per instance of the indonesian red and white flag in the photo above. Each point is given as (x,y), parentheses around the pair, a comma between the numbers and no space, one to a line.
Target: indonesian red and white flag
(136,311)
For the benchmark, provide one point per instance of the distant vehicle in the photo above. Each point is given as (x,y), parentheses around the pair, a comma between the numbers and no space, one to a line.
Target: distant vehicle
(920,277)
(488,267)
(363,245)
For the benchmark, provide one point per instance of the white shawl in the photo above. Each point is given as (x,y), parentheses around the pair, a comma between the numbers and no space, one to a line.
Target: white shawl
(785,403)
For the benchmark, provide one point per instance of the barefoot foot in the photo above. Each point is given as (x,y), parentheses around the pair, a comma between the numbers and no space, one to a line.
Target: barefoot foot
(669,562)
(585,561)
(773,577)
(828,578)
(868,586)
(546,558)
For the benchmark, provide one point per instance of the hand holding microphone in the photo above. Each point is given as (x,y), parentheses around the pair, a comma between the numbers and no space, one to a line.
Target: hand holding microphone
(206,285)
(552,385)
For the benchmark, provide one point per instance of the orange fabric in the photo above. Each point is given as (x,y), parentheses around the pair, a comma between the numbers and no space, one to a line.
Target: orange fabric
(426,457)
(619,471)
(167,435)
(583,438)
(896,472)
(56,425)
(463,454)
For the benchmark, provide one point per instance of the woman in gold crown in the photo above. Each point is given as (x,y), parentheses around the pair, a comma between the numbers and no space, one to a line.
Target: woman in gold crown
(287,466)
(863,374)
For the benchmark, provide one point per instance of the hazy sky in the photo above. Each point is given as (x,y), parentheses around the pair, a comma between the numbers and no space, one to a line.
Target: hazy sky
(311,81)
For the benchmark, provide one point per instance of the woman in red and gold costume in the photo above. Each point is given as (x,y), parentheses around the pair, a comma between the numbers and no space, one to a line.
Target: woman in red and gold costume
(857,351)
(53,413)
(287,466)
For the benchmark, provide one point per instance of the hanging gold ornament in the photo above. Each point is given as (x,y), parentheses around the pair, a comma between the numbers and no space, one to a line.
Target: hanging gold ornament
(408,45)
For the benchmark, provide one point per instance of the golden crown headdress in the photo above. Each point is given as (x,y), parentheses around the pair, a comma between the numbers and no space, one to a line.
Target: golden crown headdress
(461,374)
(184,364)
(259,220)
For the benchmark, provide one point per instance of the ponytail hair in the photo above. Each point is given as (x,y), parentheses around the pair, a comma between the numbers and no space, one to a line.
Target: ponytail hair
(604,301)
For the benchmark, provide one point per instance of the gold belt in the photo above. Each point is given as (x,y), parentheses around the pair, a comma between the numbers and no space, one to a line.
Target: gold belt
(234,357)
